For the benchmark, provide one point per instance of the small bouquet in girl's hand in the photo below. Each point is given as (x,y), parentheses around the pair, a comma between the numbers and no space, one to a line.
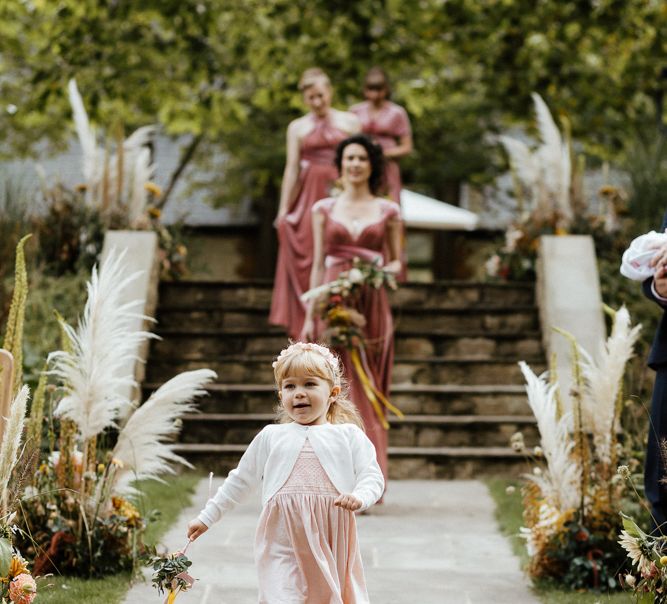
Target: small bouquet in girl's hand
(170,574)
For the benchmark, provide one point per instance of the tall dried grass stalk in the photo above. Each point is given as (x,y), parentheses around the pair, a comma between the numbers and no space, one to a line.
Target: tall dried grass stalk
(11,442)
(13,341)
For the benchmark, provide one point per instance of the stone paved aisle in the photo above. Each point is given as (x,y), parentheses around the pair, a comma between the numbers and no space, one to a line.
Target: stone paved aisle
(432,542)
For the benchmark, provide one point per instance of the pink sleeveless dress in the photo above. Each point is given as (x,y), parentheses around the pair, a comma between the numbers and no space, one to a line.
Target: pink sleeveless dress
(295,232)
(340,248)
(385,127)
(306,549)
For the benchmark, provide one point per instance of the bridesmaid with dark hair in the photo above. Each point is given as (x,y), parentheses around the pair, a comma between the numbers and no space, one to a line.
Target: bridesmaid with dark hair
(359,224)
(387,124)
(308,176)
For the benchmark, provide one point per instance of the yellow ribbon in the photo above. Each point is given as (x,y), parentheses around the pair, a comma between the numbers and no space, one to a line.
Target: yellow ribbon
(372,393)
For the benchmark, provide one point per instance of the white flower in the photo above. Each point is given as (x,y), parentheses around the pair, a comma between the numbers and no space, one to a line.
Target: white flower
(510,489)
(492,265)
(511,237)
(624,472)
(630,580)
(634,548)
(355,275)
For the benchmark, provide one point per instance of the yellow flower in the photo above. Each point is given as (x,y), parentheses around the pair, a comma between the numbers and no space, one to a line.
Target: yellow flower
(663,560)
(154,212)
(125,508)
(560,231)
(153,189)
(17,567)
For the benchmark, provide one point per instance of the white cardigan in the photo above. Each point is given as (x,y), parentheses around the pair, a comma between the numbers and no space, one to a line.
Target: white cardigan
(345,452)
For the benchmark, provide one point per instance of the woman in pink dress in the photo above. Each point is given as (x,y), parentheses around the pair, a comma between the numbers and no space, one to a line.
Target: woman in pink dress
(309,175)
(388,125)
(359,224)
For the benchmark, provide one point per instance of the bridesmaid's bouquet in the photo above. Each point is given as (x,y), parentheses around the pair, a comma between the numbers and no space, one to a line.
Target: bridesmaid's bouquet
(343,324)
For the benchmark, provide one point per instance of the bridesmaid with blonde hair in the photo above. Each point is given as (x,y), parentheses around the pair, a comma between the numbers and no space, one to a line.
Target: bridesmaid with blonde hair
(309,175)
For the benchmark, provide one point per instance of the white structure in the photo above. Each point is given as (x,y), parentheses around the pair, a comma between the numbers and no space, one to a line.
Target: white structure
(422,212)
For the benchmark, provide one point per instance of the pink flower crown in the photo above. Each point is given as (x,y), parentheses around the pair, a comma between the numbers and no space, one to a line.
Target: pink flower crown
(329,357)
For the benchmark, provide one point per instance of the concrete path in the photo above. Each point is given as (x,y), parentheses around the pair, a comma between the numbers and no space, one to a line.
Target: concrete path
(432,542)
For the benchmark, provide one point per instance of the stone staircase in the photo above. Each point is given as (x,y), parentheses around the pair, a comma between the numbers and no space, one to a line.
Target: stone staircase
(455,377)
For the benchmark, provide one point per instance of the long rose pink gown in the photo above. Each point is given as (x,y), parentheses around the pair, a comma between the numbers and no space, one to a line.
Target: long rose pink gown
(306,548)
(340,248)
(385,127)
(295,231)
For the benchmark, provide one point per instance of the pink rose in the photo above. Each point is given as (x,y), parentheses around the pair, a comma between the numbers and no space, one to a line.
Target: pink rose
(22,589)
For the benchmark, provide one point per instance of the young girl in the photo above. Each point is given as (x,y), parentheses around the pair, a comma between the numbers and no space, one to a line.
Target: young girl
(316,468)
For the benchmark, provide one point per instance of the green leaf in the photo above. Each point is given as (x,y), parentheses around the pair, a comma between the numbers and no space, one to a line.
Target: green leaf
(5,556)
(631,527)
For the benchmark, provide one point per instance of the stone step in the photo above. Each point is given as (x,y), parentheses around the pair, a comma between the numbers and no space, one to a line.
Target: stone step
(257,294)
(436,342)
(409,431)
(407,370)
(404,462)
(460,318)
(411,399)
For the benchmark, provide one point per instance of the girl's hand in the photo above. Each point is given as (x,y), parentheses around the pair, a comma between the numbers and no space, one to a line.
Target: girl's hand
(348,502)
(196,528)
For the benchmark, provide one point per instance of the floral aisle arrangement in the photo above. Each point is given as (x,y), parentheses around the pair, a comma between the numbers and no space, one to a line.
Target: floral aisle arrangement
(88,442)
(117,193)
(549,192)
(573,499)
(16,582)
(344,325)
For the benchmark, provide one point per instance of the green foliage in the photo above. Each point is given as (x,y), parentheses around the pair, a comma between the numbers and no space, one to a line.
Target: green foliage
(228,72)
(66,590)
(645,159)
(166,570)
(591,559)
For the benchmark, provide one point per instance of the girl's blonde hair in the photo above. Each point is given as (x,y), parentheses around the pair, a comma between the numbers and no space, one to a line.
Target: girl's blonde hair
(312,76)
(300,359)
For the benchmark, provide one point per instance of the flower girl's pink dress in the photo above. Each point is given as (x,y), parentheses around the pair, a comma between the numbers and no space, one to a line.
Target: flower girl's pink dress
(306,548)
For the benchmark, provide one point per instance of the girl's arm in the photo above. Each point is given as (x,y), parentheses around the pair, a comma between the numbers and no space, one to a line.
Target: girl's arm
(369,480)
(291,173)
(316,272)
(240,482)
(395,232)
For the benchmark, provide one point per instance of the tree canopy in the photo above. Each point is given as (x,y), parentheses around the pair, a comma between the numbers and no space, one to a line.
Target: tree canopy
(226,72)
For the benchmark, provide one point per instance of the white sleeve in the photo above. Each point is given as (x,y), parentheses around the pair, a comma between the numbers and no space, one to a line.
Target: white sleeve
(369,482)
(240,482)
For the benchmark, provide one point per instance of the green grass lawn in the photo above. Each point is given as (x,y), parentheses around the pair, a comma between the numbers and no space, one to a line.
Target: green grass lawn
(509,512)
(169,499)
